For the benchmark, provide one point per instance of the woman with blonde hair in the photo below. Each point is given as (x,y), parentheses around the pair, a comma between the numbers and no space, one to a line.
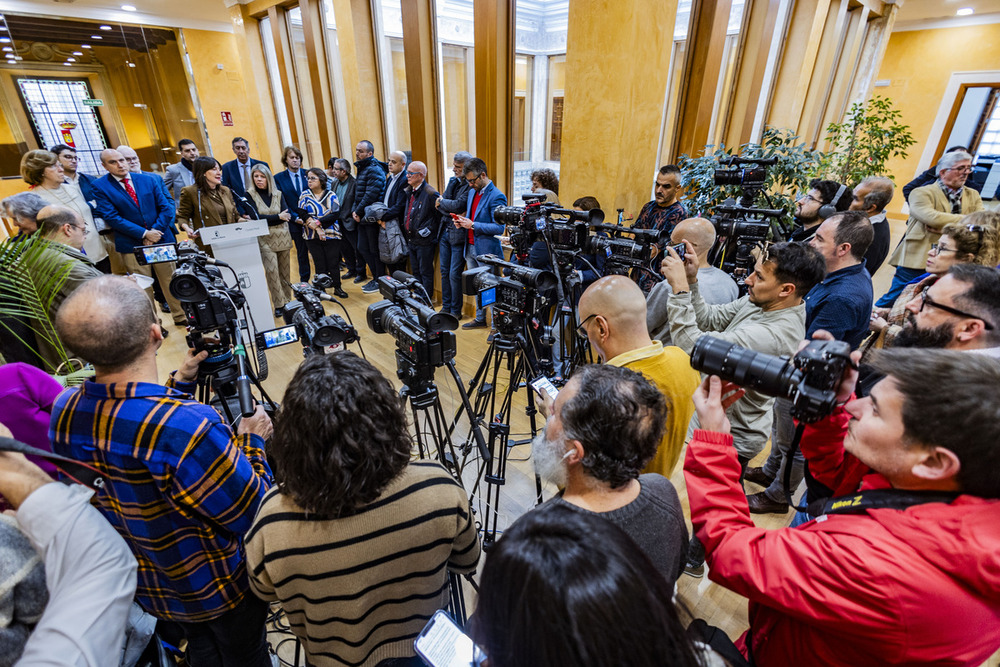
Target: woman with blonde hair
(275,248)
(43,172)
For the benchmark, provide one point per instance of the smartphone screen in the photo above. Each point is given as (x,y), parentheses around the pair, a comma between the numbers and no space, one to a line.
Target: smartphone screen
(487,297)
(277,337)
(443,644)
(156,254)
(543,386)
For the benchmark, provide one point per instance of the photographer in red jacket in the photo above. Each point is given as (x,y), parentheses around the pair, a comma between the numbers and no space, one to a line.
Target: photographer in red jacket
(904,567)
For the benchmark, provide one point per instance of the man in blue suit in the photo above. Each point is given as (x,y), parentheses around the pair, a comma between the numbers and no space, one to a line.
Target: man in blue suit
(483,199)
(236,173)
(292,182)
(137,208)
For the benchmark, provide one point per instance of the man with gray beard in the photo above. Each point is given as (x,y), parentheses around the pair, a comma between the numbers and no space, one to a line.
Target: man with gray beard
(603,427)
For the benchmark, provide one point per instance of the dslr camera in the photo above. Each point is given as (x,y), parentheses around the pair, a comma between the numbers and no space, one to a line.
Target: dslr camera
(809,379)
(515,297)
(424,338)
(635,250)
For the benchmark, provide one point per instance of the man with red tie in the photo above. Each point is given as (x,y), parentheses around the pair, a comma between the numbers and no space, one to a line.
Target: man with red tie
(419,221)
(134,205)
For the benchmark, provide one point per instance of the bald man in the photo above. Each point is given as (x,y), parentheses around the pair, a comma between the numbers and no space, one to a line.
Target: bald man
(137,207)
(613,316)
(419,220)
(716,285)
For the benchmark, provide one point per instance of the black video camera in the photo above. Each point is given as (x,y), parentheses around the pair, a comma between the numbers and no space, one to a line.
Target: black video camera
(515,297)
(635,250)
(809,379)
(318,331)
(424,338)
(564,230)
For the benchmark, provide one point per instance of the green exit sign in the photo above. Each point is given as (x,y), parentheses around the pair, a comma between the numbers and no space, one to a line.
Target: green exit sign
(93,103)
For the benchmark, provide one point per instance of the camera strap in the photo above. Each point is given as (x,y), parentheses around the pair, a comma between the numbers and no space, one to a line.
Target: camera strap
(786,478)
(893,499)
(79,472)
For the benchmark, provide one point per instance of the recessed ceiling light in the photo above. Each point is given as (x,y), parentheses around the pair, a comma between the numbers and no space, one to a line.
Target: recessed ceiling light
(105,27)
(128,8)
(131,64)
(8,49)
(68,64)
(78,53)
(71,60)
(5,40)
(11,56)
(96,37)
(85,46)
(965,11)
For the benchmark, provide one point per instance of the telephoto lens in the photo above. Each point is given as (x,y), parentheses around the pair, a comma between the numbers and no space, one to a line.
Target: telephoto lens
(770,375)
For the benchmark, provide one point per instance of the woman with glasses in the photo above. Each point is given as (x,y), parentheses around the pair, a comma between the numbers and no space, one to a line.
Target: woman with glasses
(319,207)
(974,240)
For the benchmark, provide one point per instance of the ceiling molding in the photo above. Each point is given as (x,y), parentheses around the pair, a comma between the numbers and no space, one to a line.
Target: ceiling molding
(54,10)
(950,22)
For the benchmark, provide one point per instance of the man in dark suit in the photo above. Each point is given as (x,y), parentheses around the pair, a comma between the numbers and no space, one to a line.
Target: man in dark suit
(236,173)
(181,175)
(292,182)
(394,187)
(483,199)
(453,238)
(135,206)
(419,220)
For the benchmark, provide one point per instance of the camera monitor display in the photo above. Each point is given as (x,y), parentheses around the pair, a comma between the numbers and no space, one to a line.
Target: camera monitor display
(277,337)
(156,254)
(487,297)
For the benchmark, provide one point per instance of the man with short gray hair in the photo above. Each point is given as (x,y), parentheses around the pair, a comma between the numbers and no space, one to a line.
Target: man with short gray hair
(871,196)
(23,209)
(932,207)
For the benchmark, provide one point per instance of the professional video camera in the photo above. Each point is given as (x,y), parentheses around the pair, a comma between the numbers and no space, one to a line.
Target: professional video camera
(622,253)
(424,338)
(515,297)
(742,226)
(563,230)
(809,380)
(317,331)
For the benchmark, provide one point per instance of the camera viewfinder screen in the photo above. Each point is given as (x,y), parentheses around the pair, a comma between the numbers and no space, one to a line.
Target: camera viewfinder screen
(156,254)
(282,336)
(487,297)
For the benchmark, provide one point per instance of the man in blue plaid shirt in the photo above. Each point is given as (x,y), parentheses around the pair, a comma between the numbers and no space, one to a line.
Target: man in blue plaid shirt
(182,488)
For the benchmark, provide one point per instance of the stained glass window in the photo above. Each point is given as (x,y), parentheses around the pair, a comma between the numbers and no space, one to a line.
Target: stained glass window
(59,116)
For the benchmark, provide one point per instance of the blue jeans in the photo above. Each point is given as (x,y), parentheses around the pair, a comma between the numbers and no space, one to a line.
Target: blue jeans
(422,266)
(452,263)
(900,279)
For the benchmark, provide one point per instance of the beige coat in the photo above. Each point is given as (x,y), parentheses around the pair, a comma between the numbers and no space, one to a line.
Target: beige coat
(930,211)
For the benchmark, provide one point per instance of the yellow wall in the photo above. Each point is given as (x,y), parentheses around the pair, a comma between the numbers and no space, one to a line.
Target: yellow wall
(224,90)
(919,64)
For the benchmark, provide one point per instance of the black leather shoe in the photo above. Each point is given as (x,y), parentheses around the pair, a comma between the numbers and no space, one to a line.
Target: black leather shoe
(349,275)
(164,332)
(340,293)
(362,278)
(757,476)
(277,312)
(164,308)
(475,324)
(761,504)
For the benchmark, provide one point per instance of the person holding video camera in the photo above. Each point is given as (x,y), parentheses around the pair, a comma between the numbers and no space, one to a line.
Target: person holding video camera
(903,567)
(181,486)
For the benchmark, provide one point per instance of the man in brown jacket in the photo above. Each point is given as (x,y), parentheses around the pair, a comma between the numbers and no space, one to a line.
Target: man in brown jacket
(932,207)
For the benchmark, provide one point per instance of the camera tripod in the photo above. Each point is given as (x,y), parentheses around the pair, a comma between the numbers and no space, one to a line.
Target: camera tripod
(219,382)
(429,420)
(509,352)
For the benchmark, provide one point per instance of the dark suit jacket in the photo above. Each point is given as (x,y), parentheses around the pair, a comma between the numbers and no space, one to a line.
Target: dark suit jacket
(485,229)
(454,200)
(232,178)
(283,180)
(396,191)
(424,218)
(155,210)
(345,214)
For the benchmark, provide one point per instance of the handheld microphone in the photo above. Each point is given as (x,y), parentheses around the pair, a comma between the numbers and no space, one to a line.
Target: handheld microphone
(243,382)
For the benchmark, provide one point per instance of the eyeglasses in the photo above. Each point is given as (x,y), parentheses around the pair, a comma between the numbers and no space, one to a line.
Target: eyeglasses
(413,173)
(926,300)
(961,170)
(810,198)
(937,249)
(473,181)
(581,331)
